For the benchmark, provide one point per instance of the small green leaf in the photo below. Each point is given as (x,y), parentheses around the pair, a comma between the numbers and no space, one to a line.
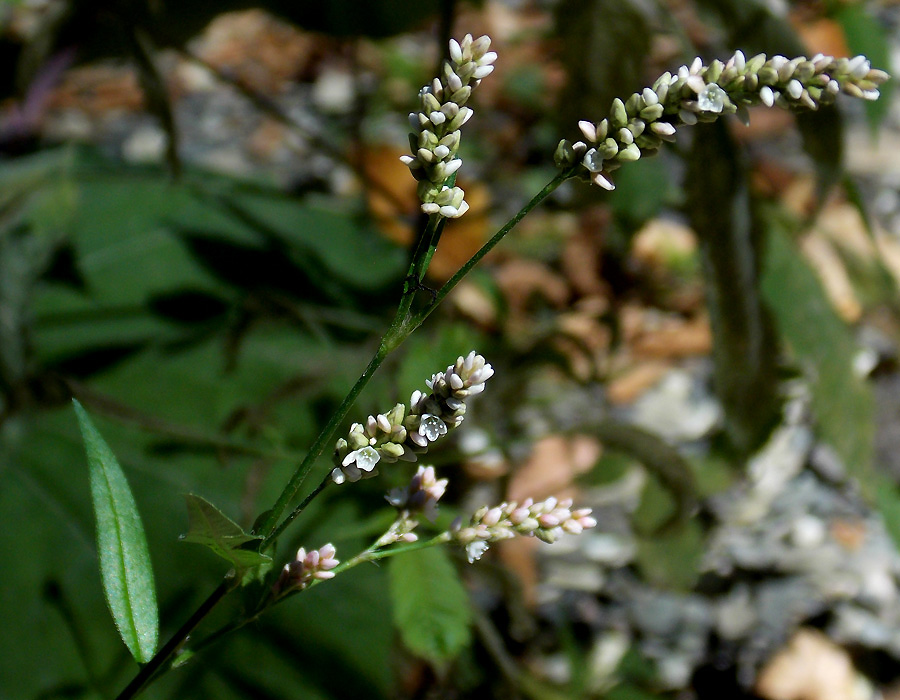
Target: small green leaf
(431,607)
(822,344)
(669,558)
(209,526)
(125,565)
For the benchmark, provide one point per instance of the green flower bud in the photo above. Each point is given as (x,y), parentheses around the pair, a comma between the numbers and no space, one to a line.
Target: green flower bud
(391,451)
(634,105)
(430,103)
(564,155)
(629,154)
(602,129)
(805,71)
(618,117)
(648,141)
(755,63)
(637,126)
(714,71)
(652,112)
(608,149)
(768,75)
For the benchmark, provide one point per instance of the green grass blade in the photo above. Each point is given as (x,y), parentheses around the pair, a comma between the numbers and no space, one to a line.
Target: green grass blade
(124,556)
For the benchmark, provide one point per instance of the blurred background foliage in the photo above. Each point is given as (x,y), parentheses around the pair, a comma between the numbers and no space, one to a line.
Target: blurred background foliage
(203,230)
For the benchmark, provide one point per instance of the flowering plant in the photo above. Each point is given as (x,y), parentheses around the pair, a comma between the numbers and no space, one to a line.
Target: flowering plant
(634,128)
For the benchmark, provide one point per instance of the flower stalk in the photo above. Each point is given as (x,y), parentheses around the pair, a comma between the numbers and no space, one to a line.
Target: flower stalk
(634,128)
(638,126)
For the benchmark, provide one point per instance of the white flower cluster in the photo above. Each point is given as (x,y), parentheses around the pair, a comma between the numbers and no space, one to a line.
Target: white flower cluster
(403,433)
(306,567)
(638,126)
(434,140)
(547,521)
(420,495)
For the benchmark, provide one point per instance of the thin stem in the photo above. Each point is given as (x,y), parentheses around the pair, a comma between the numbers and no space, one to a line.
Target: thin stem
(548,189)
(149,669)
(325,436)
(372,554)
(403,324)
(299,509)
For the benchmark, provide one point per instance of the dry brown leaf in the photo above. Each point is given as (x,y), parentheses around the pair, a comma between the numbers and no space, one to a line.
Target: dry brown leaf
(393,203)
(831,272)
(673,337)
(661,240)
(98,89)
(581,263)
(842,223)
(473,302)
(889,249)
(464,236)
(812,667)
(584,340)
(257,49)
(821,35)
(633,382)
(518,555)
(519,280)
(267,139)
(554,463)
(800,195)
(392,198)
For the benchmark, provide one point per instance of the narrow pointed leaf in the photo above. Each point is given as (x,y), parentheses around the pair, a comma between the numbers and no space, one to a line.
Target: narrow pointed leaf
(125,566)
(212,528)
(430,605)
(823,344)
(744,347)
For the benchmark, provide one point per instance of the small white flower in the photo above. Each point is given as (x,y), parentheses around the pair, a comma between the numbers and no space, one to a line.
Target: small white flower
(712,98)
(475,549)
(432,427)
(365,458)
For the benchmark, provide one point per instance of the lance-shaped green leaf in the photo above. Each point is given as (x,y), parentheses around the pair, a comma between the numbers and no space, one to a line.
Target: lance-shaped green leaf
(430,605)
(125,566)
(209,526)
(823,344)
(744,347)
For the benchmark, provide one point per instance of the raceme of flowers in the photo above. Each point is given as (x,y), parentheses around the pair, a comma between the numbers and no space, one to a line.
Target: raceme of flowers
(405,432)
(305,568)
(547,520)
(434,139)
(638,126)
(419,497)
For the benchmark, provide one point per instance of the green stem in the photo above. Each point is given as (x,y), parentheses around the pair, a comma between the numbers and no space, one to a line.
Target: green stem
(403,324)
(325,437)
(372,554)
(299,509)
(369,554)
(155,664)
(548,189)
